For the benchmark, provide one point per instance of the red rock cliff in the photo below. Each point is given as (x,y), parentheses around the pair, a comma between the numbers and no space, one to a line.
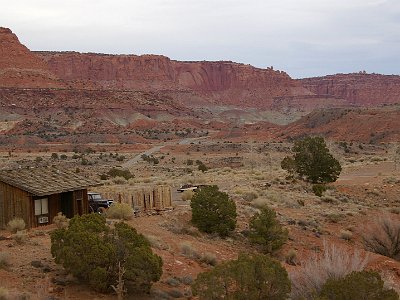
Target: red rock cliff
(222,82)
(19,67)
(357,88)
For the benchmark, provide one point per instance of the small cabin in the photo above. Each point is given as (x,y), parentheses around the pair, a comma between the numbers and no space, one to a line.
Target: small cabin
(37,195)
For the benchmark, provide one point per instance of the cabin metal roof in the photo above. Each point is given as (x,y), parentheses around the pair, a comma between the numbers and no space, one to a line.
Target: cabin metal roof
(46,181)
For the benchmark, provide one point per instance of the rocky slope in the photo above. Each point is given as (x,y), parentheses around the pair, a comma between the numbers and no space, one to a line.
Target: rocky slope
(19,67)
(373,125)
(359,89)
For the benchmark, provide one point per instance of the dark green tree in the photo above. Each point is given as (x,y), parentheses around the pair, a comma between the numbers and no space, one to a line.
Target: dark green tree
(289,165)
(213,211)
(266,231)
(93,252)
(248,277)
(357,286)
(313,161)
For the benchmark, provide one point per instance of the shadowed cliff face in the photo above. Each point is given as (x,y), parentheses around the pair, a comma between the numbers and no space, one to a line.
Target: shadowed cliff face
(357,88)
(19,67)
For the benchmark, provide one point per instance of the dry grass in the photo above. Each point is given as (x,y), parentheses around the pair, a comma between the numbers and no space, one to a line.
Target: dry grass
(333,262)
(120,211)
(61,221)
(21,236)
(291,257)
(4,259)
(209,258)
(383,237)
(157,243)
(4,295)
(187,195)
(188,250)
(16,224)
(346,235)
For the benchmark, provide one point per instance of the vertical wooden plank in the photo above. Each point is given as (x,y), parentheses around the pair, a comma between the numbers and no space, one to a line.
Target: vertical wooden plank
(2,224)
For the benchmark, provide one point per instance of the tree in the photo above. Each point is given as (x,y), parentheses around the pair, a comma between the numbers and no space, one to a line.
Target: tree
(248,277)
(357,285)
(266,231)
(313,161)
(289,165)
(95,253)
(213,211)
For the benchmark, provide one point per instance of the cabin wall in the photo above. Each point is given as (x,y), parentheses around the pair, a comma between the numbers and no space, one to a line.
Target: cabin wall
(80,202)
(14,203)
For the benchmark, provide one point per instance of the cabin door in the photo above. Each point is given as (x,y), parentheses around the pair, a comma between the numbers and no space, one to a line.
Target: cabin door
(67,204)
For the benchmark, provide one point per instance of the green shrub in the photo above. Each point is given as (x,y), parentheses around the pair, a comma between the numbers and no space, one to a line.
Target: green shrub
(266,231)
(120,211)
(92,252)
(313,161)
(114,172)
(357,285)
(213,211)
(248,277)
(202,167)
(319,189)
(16,224)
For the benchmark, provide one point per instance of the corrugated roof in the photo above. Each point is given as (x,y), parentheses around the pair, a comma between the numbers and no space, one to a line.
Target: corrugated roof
(46,181)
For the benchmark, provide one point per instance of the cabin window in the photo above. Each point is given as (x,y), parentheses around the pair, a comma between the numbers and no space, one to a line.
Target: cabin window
(41,206)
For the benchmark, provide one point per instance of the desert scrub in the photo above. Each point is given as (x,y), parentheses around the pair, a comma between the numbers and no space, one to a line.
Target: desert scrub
(333,262)
(4,294)
(4,259)
(209,258)
(20,236)
(187,195)
(319,189)
(156,242)
(119,180)
(120,211)
(250,196)
(346,235)
(16,224)
(291,257)
(61,221)
(382,237)
(188,250)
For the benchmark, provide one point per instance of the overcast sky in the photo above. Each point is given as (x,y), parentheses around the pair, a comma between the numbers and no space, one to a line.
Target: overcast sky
(302,37)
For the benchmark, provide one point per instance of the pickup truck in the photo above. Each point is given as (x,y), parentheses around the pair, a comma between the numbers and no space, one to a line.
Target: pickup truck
(97,203)
(187,187)
(190,187)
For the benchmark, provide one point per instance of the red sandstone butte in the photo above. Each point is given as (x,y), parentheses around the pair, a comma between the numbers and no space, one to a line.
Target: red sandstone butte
(19,67)
(359,89)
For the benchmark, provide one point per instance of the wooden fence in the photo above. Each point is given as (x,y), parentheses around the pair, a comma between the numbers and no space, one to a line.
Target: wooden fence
(143,199)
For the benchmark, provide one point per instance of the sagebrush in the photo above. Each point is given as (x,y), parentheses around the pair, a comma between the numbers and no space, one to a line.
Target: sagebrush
(334,262)
(121,211)
(16,224)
